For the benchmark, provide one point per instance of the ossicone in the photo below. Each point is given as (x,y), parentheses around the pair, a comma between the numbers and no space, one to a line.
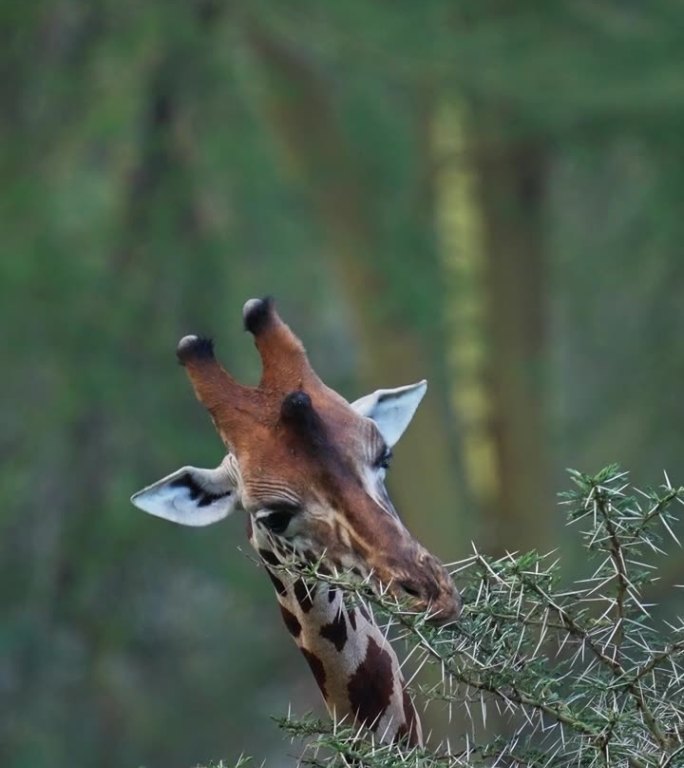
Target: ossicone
(296,406)
(257,314)
(285,369)
(283,359)
(194,348)
(298,413)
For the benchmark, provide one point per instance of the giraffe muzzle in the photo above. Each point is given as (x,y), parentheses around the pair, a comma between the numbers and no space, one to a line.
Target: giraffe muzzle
(426,587)
(442,607)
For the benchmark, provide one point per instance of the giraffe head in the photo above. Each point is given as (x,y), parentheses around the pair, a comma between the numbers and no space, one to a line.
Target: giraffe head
(306,465)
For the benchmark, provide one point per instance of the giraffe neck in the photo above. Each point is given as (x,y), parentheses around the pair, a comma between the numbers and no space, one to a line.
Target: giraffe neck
(354,665)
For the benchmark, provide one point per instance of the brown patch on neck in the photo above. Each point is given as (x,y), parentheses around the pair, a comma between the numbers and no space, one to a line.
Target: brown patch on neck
(408,730)
(291,622)
(304,593)
(277,583)
(318,670)
(370,687)
(336,631)
(269,558)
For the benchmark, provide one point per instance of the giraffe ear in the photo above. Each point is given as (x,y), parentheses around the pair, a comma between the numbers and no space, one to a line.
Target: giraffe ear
(190,496)
(391,409)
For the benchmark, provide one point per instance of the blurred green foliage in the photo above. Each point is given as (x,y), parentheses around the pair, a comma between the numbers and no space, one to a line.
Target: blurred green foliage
(163,162)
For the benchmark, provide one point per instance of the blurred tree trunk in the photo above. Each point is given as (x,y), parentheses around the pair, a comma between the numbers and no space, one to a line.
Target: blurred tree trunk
(511,185)
(300,113)
(459,224)
(488,328)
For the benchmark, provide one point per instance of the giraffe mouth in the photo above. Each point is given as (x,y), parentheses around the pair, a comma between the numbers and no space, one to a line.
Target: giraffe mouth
(440,609)
(425,586)
(448,613)
(432,592)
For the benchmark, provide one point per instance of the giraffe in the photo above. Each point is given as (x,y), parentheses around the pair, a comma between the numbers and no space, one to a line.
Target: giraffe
(308,468)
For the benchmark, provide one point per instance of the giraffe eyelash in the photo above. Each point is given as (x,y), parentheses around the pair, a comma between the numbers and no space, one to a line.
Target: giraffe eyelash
(277,517)
(384,459)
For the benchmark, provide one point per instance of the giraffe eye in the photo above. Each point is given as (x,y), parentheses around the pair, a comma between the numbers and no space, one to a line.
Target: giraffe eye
(384,459)
(277,518)
(410,588)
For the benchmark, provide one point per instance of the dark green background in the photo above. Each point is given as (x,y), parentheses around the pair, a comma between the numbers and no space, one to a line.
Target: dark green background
(486,194)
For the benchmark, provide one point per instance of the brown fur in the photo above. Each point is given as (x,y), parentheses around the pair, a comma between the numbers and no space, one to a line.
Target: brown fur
(370,687)
(317,669)
(294,432)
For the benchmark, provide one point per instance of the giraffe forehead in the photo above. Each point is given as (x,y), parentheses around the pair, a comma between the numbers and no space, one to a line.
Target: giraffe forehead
(323,462)
(327,473)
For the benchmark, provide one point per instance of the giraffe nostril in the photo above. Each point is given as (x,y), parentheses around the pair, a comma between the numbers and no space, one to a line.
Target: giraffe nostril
(410,588)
